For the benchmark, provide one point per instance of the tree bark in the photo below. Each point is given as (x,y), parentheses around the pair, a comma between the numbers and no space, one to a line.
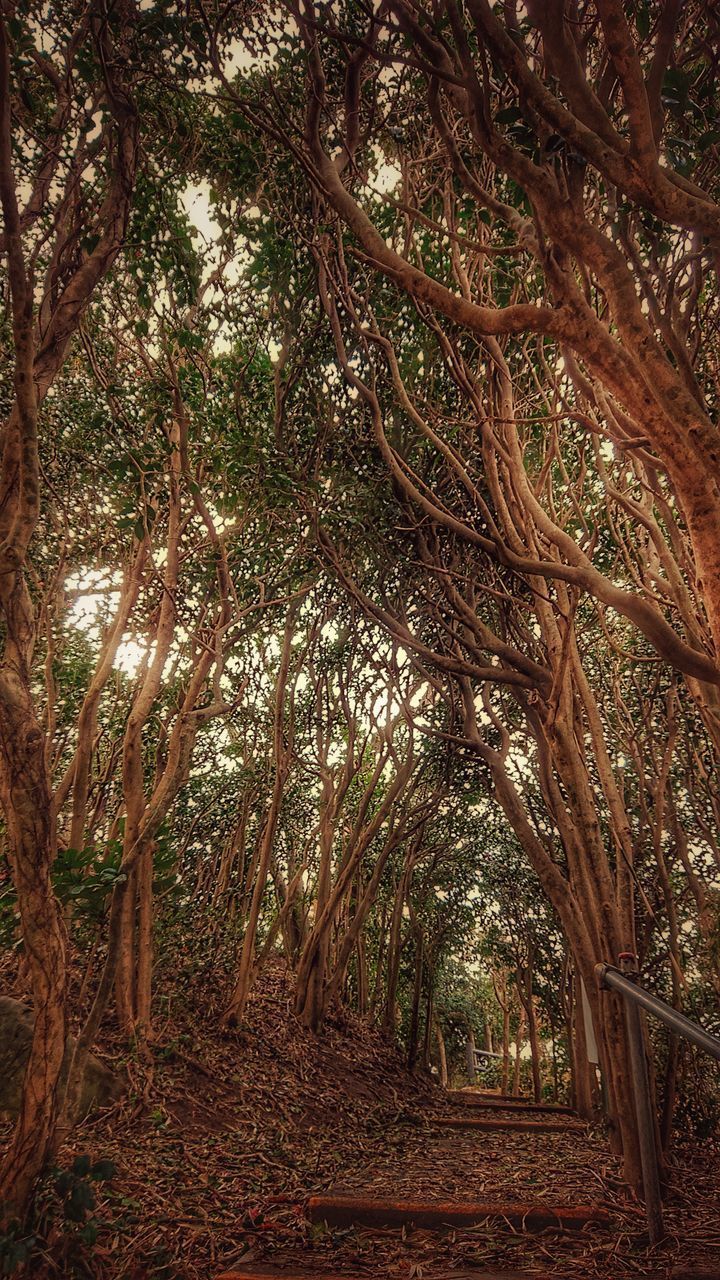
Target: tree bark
(442,1055)
(414,1031)
(518,1048)
(25,791)
(235,1011)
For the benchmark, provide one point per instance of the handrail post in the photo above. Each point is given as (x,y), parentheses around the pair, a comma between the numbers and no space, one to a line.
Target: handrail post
(624,982)
(643,1108)
(470,1060)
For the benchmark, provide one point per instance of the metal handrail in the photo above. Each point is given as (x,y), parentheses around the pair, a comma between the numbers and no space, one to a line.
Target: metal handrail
(609,976)
(637,998)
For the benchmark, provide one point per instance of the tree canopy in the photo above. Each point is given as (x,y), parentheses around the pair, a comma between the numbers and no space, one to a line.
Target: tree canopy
(360,525)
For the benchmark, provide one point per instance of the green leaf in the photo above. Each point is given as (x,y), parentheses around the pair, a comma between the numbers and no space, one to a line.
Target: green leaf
(509,115)
(642,22)
(89,1233)
(63,1182)
(82,1198)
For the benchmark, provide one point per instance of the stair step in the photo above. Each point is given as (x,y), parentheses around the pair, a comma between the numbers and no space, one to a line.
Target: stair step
(307,1272)
(303,1273)
(349,1210)
(497,1104)
(489,1093)
(509,1126)
(281,1273)
(683,1272)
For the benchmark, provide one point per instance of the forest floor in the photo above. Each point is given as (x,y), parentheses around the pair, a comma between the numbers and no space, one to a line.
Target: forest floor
(217,1153)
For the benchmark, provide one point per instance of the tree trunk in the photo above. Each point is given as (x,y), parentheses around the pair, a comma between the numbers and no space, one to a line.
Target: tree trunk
(518,1048)
(379,962)
(670,1093)
(442,1055)
(414,1031)
(30,849)
(584,1101)
(24,781)
(313,964)
(554,1060)
(470,1055)
(505,1076)
(362,977)
(145,920)
(125,974)
(389,1022)
(236,1006)
(429,1018)
(535,1051)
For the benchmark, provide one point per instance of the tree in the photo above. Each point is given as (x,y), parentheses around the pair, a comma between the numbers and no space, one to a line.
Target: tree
(67,236)
(515,183)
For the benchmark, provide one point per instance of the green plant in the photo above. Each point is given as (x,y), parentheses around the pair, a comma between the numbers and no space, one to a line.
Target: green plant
(84,878)
(16,1247)
(75,1189)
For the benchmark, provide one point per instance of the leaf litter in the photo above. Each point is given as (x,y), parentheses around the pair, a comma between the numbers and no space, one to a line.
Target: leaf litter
(219,1148)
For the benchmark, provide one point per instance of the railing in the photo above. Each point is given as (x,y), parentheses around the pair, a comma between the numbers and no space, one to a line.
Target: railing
(477,1060)
(624,982)
(483,1057)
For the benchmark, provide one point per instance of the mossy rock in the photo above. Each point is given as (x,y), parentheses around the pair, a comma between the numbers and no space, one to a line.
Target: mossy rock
(101,1086)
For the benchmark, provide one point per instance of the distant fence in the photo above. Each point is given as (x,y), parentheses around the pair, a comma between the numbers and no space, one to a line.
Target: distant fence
(478,1060)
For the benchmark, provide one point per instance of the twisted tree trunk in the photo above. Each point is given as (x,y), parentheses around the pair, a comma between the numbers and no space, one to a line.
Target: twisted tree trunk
(25,791)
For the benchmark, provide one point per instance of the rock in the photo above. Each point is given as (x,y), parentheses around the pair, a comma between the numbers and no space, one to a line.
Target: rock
(100,1087)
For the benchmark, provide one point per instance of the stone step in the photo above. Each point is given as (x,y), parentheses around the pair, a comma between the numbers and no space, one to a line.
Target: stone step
(351,1210)
(509,1126)
(462,1099)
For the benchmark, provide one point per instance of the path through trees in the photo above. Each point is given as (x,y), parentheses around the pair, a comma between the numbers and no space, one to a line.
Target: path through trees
(360,589)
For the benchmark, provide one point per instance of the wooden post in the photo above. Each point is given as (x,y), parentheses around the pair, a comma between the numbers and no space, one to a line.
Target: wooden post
(470,1056)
